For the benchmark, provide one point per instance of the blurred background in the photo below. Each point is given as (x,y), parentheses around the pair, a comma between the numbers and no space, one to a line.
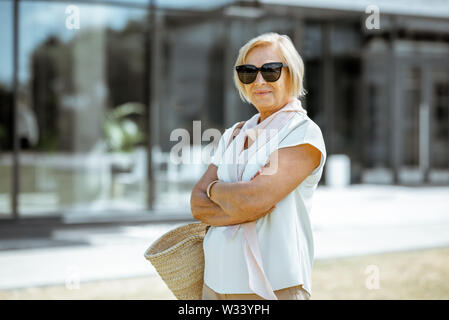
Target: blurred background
(90,92)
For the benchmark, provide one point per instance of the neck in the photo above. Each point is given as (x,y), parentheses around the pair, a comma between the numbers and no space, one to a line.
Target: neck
(266,114)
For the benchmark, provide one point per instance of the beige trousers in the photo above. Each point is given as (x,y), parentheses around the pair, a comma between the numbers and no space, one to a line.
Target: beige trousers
(291,293)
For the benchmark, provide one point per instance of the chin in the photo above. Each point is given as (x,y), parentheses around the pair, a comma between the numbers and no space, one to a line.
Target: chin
(263,103)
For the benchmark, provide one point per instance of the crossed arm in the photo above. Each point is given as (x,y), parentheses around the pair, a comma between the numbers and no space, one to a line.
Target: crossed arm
(245,201)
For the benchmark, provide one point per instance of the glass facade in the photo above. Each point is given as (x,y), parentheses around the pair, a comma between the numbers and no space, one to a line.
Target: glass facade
(81,103)
(101,84)
(6,108)
(190,100)
(85,73)
(440,134)
(376,108)
(410,111)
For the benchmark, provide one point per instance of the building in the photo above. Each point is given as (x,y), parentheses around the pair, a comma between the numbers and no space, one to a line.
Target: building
(96,89)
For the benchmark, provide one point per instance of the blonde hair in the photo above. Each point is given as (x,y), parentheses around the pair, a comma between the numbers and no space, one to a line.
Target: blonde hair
(289,55)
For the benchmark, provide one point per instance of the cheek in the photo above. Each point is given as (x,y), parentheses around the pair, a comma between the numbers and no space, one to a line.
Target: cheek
(285,86)
(280,90)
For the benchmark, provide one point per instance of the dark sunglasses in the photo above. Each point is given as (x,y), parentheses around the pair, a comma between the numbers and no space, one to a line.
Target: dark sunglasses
(271,72)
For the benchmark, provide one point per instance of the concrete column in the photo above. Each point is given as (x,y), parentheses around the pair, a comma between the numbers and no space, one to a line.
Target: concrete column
(395,103)
(424,122)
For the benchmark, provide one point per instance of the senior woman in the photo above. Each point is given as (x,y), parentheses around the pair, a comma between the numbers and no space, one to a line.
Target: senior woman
(257,192)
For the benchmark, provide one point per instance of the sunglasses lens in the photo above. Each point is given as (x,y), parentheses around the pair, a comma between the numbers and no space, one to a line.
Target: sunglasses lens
(246,74)
(271,71)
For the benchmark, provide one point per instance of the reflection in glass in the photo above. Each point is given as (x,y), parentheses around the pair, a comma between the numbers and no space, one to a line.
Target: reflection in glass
(6,116)
(194,92)
(377,167)
(188,4)
(410,117)
(440,139)
(72,80)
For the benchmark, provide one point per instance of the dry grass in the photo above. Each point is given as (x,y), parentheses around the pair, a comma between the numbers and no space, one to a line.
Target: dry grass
(406,275)
(134,288)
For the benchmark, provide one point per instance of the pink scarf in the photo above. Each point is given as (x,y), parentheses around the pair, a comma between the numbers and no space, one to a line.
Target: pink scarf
(260,133)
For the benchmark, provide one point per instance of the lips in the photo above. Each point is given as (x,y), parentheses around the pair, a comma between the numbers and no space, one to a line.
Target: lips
(261,92)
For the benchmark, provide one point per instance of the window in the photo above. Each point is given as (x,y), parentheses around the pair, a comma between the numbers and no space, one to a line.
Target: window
(79,152)
(6,109)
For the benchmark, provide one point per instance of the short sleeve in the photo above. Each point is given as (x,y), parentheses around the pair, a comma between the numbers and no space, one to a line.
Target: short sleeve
(222,144)
(307,132)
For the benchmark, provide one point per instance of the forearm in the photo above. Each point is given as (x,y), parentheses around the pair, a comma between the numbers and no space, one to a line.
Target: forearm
(239,200)
(207,211)
(211,213)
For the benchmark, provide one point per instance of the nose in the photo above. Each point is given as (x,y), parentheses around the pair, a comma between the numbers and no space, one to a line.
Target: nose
(259,78)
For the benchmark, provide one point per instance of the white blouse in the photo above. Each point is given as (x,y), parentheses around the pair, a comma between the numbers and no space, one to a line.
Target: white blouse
(285,235)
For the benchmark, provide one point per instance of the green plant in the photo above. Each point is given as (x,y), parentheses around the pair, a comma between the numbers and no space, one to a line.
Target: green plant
(121,132)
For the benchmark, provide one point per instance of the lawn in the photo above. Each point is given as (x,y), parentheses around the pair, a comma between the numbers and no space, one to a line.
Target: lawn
(405,275)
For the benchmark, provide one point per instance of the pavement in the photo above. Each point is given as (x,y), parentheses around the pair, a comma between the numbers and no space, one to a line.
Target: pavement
(352,221)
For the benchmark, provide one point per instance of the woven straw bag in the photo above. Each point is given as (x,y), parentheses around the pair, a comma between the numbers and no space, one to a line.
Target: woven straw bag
(178,257)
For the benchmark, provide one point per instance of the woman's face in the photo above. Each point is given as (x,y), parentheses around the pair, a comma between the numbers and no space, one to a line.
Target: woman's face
(267,97)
